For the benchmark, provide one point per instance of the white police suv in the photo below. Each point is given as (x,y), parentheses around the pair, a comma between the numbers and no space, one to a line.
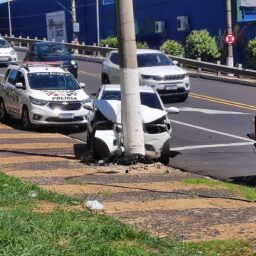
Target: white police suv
(42,94)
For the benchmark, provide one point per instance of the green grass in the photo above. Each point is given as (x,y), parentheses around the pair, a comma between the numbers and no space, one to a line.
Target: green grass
(28,233)
(245,192)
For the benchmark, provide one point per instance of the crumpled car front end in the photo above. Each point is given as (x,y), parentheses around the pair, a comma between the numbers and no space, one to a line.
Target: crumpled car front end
(107,134)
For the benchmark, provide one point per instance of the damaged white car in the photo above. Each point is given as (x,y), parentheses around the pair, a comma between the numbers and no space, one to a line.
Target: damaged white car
(104,129)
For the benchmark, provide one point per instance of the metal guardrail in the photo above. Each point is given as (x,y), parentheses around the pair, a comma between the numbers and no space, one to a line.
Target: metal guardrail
(199,66)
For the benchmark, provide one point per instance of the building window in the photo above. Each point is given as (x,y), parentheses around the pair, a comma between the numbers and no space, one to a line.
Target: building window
(105,2)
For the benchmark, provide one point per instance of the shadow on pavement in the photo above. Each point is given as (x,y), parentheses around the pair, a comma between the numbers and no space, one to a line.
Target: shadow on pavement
(244,180)
(63,129)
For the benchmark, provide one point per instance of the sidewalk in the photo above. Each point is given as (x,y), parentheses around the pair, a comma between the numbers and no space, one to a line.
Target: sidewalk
(156,198)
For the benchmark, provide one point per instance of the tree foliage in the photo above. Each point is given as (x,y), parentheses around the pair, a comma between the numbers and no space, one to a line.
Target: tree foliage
(112,42)
(200,43)
(251,54)
(173,48)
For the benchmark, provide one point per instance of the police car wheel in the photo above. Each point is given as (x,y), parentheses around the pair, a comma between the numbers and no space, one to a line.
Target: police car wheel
(25,119)
(3,113)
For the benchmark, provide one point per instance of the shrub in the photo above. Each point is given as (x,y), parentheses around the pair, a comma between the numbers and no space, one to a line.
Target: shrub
(110,41)
(199,43)
(142,45)
(251,54)
(172,47)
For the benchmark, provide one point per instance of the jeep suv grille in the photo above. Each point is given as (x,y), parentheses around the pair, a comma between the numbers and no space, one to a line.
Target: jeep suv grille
(174,77)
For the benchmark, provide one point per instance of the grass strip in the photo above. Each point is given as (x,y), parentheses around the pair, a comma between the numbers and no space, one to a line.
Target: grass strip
(245,192)
(72,233)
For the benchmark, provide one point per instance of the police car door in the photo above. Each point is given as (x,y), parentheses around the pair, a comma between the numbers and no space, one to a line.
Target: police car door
(10,91)
(12,97)
(4,89)
(20,95)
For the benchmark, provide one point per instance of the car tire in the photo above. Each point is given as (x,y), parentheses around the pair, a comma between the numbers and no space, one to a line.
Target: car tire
(165,159)
(3,113)
(105,79)
(25,119)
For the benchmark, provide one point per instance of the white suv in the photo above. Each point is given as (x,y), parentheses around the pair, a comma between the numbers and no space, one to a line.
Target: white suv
(42,94)
(155,69)
(7,53)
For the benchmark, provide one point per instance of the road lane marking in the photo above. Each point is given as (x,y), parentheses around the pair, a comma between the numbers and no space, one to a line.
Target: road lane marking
(80,72)
(213,146)
(212,131)
(211,111)
(222,101)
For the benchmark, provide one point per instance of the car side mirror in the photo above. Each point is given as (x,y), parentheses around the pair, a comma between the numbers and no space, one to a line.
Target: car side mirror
(19,86)
(88,106)
(82,85)
(172,110)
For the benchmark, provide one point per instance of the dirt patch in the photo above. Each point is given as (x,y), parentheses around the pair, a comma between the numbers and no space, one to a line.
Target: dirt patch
(174,204)
(31,136)
(28,159)
(35,146)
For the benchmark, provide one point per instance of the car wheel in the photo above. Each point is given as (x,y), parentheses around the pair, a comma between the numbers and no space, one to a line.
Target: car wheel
(164,159)
(25,119)
(105,79)
(3,113)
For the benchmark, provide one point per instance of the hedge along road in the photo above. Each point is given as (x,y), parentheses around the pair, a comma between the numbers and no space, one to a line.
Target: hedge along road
(210,131)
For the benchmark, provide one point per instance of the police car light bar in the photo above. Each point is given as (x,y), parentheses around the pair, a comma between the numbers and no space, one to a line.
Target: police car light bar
(49,63)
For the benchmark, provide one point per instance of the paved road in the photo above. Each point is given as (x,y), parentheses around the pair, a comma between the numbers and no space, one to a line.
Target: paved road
(210,131)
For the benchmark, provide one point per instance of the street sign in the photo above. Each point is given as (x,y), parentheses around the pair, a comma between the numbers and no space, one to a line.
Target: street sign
(229,39)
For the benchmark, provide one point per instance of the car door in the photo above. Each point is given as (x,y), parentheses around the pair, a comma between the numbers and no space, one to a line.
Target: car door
(12,96)
(4,89)
(19,94)
(113,68)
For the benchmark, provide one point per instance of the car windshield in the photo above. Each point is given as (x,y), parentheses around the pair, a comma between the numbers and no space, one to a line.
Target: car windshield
(53,49)
(153,59)
(148,99)
(52,81)
(4,44)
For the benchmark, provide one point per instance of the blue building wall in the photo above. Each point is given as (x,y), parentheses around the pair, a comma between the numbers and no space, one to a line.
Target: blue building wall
(29,19)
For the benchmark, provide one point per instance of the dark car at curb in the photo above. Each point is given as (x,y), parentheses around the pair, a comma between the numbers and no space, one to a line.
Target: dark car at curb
(52,52)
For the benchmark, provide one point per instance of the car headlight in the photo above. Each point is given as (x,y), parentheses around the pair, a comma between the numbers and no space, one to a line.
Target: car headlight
(38,101)
(147,77)
(12,52)
(73,62)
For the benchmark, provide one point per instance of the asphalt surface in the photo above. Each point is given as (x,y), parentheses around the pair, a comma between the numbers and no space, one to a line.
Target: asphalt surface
(210,132)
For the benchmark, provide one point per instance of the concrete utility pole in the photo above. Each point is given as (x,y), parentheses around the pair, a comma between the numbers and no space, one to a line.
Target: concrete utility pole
(230,60)
(10,19)
(131,107)
(73,12)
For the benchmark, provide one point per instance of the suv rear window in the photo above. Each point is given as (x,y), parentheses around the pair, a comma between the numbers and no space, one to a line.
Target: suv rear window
(115,58)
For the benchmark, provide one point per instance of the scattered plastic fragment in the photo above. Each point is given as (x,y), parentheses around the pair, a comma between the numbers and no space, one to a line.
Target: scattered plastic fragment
(32,194)
(94,205)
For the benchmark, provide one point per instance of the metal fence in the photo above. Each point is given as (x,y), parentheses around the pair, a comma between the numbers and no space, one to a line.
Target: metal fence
(89,52)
